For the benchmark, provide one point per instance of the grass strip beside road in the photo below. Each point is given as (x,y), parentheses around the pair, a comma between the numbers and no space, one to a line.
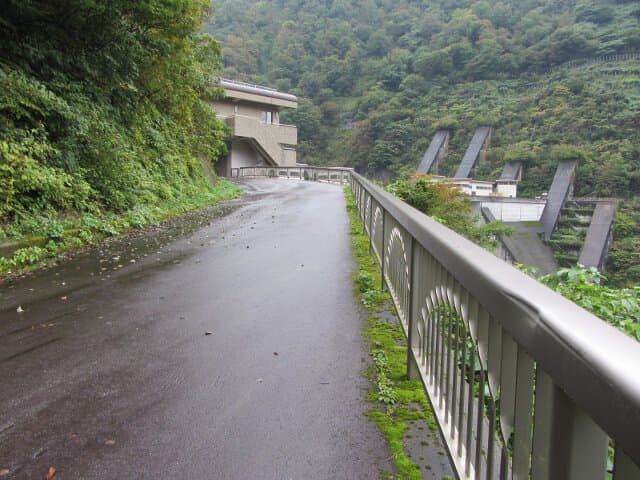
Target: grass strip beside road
(59,238)
(397,399)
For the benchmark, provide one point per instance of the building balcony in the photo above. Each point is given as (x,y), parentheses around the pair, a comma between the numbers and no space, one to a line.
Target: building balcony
(270,139)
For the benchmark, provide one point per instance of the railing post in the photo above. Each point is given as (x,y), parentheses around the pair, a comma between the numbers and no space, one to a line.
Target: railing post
(412,367)
(579,446)
(384,238)
(371,226)
(567,444)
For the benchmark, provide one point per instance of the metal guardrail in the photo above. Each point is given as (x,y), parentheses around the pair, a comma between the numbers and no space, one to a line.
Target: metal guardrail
(523,382)
(318,174)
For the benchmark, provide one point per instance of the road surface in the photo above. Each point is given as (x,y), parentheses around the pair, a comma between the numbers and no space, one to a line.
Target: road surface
(226,345)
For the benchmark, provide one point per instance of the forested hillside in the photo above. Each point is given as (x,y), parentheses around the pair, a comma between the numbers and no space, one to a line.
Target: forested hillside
(102,111)
(544,74)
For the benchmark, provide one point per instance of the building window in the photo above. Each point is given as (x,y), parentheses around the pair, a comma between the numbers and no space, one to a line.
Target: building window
(267,117)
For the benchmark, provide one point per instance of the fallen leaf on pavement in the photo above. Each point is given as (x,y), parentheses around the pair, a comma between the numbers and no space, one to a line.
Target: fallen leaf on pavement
(73,435)
(275,353)
(52,472)
(110,442)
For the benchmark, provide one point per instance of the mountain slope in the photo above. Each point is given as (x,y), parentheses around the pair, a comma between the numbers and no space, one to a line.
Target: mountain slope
(543,73)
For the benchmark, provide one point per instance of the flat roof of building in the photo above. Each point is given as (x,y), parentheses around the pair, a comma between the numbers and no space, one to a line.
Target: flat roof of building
(257,93)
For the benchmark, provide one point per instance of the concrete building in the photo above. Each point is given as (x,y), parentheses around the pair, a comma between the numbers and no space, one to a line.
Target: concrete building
(258,138)
(480,188)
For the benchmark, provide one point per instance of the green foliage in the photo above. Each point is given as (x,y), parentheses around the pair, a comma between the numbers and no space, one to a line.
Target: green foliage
(619,307)
(60,236)
(523,152)
(449,206)
(103,108)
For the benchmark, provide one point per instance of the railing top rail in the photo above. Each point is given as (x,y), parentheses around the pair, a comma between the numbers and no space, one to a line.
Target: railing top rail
(594,363)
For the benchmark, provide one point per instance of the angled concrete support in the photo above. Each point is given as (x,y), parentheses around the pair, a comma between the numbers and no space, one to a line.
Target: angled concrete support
(475,152)
(436,151)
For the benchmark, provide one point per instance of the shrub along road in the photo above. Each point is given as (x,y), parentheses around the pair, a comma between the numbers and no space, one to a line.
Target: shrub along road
(231,350)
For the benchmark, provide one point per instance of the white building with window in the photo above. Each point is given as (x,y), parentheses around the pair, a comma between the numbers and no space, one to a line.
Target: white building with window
(253,112)
(480,188)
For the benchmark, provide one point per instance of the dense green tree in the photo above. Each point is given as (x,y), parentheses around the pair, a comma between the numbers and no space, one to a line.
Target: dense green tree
(103,104)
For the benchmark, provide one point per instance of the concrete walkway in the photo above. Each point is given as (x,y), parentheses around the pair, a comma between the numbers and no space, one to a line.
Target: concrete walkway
(232,352)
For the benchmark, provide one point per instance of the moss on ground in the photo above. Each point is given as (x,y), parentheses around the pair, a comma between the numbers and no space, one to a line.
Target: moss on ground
(396,397)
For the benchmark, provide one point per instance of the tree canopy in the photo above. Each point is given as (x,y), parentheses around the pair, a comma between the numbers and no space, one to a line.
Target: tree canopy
(103,104)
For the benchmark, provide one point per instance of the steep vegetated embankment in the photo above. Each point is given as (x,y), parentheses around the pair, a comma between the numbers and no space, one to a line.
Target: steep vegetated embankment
(557,80)
(102,113)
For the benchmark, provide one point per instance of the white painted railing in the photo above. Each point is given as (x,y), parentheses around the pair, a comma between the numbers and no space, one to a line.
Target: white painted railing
(318,174)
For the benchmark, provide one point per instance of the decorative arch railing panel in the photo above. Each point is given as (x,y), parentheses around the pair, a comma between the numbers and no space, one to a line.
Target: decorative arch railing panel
(524,383)
(317,174)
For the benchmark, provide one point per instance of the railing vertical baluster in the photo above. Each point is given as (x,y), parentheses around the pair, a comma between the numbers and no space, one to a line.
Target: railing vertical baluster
(480,422)
(579,445)
(491,439)
(413,372)
(448,381)
(382,252)
(508,370)
(455,407)
(470,440)
(371,228)
(439,335)
(463,372)
(567,444)
(523,415)
(542,427)
(433,340)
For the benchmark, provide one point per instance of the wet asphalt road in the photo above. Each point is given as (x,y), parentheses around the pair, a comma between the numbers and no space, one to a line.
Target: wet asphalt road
(110,373)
